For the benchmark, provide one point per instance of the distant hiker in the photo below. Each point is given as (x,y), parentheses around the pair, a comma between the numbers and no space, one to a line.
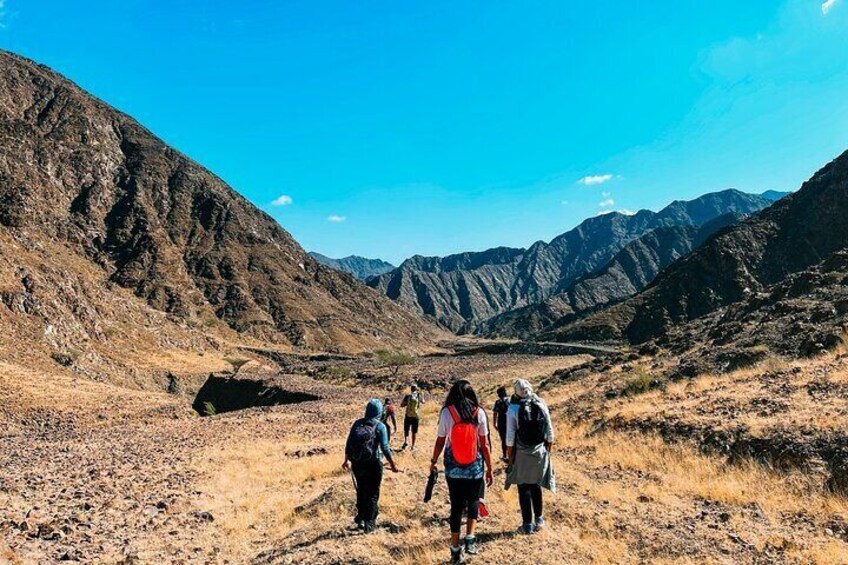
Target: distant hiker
(367,444)
(412,402)
(389,412)
(463,428)
(529,437)
(499,409)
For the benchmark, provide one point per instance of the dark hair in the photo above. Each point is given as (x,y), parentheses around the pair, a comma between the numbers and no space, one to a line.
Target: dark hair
(502,392)
(388,401)
(462,397)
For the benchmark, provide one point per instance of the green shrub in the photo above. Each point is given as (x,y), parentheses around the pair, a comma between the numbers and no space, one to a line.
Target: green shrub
(236,362)
(340,372)
(394,360)
(209,409)
(640,382)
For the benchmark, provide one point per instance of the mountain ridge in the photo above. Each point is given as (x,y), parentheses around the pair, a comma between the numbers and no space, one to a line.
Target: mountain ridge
(462,290)
(799,238)
(89,183)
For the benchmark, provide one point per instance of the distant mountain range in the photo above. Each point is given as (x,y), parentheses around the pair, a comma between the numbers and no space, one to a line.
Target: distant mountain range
(463,291)
(779,277)
(359,267)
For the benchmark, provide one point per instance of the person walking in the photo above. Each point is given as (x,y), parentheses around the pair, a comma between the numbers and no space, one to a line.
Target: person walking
(367,445)
(389,413)
(462,434)
(499,410)
(412,402)
(529,439)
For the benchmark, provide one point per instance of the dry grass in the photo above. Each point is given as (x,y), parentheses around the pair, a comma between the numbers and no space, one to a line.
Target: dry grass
(253,489)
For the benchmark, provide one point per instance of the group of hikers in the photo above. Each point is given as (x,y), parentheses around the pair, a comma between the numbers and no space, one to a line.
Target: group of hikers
(523,423)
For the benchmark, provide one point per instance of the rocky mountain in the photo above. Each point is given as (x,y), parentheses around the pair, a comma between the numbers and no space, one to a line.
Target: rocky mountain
(360,267)
(461,291)
(777,276)
(104,228)
(630,271)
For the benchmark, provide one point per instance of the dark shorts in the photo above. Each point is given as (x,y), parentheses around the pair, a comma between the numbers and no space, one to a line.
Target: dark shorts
(410,424)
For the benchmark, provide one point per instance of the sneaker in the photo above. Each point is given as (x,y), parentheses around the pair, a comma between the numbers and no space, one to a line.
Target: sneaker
(540,523)
(369,526)
(402,447)
(456,555)
(527,529)
(471,545)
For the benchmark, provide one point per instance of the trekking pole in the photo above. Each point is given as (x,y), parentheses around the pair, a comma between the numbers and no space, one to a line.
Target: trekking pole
(353,478)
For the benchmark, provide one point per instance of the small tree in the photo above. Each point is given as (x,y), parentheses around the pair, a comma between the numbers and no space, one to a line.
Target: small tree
(237,363)
(394,360)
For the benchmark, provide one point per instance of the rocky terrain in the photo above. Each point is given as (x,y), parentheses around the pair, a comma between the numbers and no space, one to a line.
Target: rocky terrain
(650,467)
(463,291)
(106,232)
(629,271)
(360,267)
(776,278)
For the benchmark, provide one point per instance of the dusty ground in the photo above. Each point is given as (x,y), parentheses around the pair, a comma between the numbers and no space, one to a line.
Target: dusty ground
(97,473)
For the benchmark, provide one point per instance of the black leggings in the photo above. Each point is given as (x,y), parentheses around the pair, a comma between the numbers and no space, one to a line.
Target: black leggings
(369,477)
(530,499)
(465,495)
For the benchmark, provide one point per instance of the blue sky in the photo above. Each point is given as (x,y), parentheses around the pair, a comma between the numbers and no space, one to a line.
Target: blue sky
(393,128)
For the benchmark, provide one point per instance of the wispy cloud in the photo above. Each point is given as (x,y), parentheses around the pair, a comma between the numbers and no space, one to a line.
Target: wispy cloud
(606,203)
(336,219)
(2,14)
(827,5)
(284,200)
(595,179)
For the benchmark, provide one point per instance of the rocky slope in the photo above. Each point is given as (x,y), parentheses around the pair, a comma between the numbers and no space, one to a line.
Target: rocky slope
(91,203)
(630,271)
(360,267)
(461,291)
(780,269)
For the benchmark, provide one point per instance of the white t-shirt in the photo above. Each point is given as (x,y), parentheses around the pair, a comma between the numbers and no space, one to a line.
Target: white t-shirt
(446,423)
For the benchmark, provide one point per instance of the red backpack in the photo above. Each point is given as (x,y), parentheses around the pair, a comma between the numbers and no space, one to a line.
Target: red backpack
(463,438)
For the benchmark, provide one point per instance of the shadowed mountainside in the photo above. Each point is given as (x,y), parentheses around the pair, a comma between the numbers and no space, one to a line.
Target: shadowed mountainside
(630,271)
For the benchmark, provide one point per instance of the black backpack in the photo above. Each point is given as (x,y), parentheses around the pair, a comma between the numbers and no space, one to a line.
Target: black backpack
(532,423)
(362,442)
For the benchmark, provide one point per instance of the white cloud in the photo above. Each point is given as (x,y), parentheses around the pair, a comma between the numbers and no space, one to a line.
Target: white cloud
(284,200)
(336,219)
(826,6)
(595,179)
(606,203)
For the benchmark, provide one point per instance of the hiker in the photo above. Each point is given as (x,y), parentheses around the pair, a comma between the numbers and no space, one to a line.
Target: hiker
(367,444)
(499,410)
(389,412)
(412,402)
(529,438)
(463,428)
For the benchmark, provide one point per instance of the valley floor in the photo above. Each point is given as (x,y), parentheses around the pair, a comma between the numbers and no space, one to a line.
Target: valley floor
(95,473)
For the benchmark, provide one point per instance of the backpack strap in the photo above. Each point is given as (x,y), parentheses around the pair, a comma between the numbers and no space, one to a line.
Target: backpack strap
(454,414)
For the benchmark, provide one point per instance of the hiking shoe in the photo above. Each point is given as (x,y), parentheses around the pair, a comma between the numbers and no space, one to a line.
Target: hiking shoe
(369,526)
(527,529)
(540,523)
(471,547)
(402,447)
(456,555)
